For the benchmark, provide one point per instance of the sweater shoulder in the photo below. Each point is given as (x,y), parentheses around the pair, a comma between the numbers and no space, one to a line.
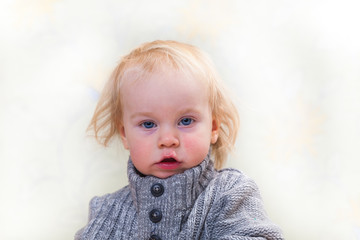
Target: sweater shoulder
(111,196)
(230,179)
(100,202)
(100,208)
(238,208)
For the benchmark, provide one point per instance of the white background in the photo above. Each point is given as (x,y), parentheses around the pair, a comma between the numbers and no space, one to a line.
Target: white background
(293,65)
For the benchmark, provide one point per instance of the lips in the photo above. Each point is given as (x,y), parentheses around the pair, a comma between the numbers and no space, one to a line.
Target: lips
(168,164)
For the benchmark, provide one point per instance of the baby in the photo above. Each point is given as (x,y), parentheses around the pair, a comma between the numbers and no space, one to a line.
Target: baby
(172,113)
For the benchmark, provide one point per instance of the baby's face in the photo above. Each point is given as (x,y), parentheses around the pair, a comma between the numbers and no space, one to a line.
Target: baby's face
(167,123)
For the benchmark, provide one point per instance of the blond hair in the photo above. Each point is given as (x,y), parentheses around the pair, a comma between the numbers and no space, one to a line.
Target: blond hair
(150,57)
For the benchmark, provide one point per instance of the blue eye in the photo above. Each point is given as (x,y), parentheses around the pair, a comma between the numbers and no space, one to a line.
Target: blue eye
(186,121)
(148,125)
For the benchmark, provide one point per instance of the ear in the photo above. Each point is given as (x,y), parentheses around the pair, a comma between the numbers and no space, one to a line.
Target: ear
(214,131)
(123,137)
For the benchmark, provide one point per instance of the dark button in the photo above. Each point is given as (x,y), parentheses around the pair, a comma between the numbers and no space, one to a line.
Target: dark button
(154,237)
(157,190)
(155,215)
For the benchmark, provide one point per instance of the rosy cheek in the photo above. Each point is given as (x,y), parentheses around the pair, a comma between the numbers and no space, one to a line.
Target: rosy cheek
(140,150)
(189,143)
(141,156)
(196,146)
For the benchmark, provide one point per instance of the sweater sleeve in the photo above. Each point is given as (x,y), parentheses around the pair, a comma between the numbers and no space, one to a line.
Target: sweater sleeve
(93,207)
(238,212)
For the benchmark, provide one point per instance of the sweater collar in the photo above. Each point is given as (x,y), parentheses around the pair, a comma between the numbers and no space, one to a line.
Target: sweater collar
(184,187)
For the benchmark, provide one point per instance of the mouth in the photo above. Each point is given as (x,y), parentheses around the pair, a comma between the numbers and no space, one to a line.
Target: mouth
(168,160)
(168,164)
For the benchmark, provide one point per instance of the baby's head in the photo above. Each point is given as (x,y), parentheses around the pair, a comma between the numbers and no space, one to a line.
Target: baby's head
(168,105)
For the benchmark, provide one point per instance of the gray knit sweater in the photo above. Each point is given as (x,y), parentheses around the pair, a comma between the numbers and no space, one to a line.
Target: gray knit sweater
(200,203)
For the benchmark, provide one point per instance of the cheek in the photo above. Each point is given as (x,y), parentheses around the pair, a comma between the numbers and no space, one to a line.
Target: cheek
(140,149)
(190,142)
(140,153)
(197,146)
(137,145)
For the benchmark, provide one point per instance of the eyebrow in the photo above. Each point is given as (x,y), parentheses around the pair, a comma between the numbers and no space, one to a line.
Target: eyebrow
(191,110)
(180,112)
(140,114)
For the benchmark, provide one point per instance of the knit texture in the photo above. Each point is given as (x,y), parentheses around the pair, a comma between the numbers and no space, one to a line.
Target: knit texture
(200,203)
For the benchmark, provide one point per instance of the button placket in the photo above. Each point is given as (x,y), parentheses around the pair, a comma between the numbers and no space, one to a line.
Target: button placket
(157,190)
(154,237)
(155,215)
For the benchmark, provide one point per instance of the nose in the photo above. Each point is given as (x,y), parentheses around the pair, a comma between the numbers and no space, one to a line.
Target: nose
(168,138)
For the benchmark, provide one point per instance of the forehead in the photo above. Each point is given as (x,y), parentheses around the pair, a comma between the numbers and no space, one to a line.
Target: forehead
(166,90)
(164,76)
(162,80)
